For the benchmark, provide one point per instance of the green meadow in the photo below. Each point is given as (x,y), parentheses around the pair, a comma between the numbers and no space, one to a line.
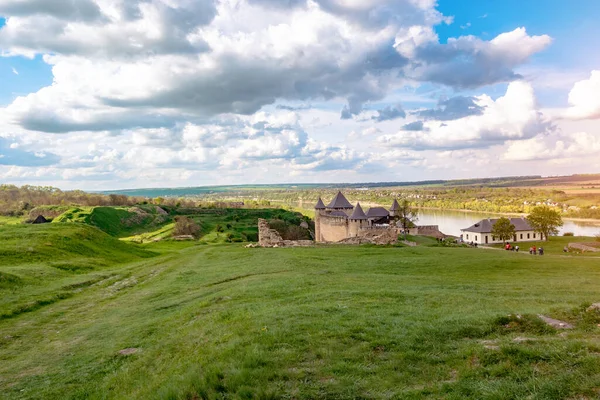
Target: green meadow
(84,315)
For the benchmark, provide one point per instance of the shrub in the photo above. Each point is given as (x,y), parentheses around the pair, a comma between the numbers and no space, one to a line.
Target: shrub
(186,226)
(568,234)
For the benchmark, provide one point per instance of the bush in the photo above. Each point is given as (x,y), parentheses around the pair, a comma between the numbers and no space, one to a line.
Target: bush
(568,234)
(186,226)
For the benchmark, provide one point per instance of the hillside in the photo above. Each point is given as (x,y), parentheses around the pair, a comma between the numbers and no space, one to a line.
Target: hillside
(226,322)
(39,262)
(147,223)
(118,221)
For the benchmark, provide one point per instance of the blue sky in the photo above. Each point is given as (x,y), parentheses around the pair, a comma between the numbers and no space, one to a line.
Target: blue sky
(179,93)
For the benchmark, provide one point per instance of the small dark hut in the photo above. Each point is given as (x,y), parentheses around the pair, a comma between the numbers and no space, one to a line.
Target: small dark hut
(40,220)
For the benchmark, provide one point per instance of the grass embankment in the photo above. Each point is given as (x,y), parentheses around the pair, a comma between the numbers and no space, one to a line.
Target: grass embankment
(326,322)
(117,221)
(148,223)
(4,220)
(40,263)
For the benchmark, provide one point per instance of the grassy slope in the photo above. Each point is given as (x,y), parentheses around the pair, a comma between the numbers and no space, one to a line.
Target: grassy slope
(217,225)
(116,221)
(342,322)
(38,263)
(10,220)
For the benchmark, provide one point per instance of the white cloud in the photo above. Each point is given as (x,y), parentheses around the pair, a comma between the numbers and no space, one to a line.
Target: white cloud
(513,116)
(575,145)
(468,61)
(584,98)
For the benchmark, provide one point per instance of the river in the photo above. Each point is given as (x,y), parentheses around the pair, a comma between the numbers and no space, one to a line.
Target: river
(451,222)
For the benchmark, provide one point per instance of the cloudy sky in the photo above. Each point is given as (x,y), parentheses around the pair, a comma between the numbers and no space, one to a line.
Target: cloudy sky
(108,94)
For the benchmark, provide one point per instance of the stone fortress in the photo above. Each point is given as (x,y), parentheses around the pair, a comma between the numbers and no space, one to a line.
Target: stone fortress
(341,222)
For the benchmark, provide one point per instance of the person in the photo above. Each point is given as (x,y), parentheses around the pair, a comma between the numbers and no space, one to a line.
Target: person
(507,247)
(517,248)
(531,250)
(534,250)
(541,251)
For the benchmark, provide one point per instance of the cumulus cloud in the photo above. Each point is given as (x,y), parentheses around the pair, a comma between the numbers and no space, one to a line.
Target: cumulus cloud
(468,61)
(389,113)
(513,116)
(11,154)
(579,144)
(584,98)
(453,108)
(415,126)
(74,10)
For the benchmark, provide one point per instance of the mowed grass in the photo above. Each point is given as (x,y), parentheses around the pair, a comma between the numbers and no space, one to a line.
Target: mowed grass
(556,244)
(226,322)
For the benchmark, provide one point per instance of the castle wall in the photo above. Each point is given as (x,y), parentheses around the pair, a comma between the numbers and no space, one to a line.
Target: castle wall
(332,229)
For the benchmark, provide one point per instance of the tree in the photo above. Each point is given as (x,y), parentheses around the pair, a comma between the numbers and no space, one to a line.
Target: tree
(545,220)
(185,226)
(503,229)
(406,215)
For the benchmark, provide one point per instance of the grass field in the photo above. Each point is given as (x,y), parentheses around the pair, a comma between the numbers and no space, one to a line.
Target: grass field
(556,245)
(226,322)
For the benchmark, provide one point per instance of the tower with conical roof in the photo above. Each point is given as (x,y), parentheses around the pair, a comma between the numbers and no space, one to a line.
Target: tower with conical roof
(357,221)
(395,208)
(340,203)
(319,208)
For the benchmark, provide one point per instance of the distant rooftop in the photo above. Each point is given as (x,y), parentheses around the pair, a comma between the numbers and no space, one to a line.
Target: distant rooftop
(395,206)
(377,212)
(485,225)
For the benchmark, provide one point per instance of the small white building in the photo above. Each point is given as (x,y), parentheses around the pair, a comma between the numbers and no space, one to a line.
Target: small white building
(481,232)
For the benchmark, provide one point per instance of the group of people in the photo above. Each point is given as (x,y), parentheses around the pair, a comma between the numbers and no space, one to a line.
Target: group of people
(532,250)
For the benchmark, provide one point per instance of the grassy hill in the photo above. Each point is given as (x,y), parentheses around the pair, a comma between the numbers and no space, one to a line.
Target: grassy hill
(146,223)
(117,221)
(39,262)
(225,322)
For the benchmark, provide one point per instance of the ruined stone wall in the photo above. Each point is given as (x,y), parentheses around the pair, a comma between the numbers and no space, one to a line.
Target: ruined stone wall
(332,229)
(268,237)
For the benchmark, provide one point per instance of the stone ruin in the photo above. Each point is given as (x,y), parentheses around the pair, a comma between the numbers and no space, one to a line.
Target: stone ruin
(382,236)
(268,237)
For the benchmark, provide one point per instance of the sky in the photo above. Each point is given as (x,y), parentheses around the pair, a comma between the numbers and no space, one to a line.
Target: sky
(115,94)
